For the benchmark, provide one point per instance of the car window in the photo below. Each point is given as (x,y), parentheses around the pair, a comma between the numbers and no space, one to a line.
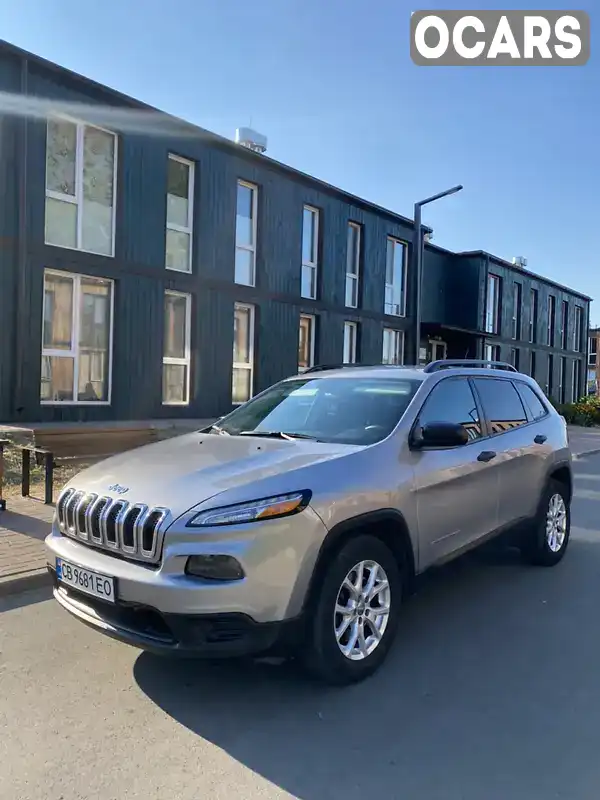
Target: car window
(501,404)
(452,401)
(343,410)
(531,398)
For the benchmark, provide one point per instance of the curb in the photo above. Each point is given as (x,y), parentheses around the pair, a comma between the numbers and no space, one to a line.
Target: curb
(577,456)
(25,582)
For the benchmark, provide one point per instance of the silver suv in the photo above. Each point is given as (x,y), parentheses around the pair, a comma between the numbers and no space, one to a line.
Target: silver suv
(297,524)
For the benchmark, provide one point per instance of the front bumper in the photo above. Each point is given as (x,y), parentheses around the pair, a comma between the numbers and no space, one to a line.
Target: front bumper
(204,635)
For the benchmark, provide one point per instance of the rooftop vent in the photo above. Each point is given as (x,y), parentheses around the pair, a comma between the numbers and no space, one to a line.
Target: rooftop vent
(246,137)
(519,261)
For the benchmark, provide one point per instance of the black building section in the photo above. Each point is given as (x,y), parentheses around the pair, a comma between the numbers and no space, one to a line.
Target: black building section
(125,255)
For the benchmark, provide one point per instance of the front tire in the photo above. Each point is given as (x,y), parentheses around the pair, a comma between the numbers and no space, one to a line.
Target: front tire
(547,542)
(353,620)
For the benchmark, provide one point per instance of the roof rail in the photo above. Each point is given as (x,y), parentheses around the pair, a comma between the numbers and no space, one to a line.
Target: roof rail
(435,366)
(322,367)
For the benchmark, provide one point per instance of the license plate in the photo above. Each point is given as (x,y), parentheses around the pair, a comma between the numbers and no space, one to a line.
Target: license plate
(84,580)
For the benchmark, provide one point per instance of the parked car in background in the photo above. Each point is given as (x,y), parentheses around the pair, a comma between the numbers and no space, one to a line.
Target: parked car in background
(297,524)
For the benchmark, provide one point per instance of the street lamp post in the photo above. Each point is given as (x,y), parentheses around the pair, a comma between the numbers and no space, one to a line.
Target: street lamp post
(417,262)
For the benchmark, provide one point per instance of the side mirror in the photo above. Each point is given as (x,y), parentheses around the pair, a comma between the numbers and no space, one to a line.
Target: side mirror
(440,434)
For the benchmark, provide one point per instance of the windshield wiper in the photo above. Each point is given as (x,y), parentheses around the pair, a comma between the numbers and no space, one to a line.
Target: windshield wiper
(217,429)
(279,435)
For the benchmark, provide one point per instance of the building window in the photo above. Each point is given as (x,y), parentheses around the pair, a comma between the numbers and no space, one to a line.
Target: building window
(492,311)
(245,234)
(393,346)
(180,214)
(515,357)
(492,352)
(306,343)
(532,363)
(593,351)
(243,354)
(551,320)
(395,278)
(550,376)
(76,339)
(81,177)
(576,380)
(176,349)
(562,380)
(578,330)
(517,304)
(310,253)
(533,316)
(564,325)
(352,264)
(350,338)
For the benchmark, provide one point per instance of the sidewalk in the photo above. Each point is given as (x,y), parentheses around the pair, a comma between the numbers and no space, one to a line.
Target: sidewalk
(26,522)
(23,527)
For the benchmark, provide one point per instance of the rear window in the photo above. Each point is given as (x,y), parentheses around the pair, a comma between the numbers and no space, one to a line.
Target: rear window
(345,410)
(532,400)
(501,403)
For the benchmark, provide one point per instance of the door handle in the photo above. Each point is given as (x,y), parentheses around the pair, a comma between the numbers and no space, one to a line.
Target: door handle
(540,438)
(486,455)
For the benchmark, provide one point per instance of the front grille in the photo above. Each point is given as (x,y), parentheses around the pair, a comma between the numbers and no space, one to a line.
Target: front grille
(131,530)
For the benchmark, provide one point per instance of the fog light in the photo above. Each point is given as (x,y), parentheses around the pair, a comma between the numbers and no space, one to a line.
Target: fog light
(214,568)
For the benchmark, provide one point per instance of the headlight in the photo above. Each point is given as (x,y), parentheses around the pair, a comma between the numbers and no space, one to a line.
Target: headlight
(282,505)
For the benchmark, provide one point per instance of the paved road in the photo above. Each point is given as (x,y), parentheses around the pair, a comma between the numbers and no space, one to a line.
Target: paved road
(493,691)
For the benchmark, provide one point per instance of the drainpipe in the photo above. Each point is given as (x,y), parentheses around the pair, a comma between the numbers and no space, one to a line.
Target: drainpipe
(22,318)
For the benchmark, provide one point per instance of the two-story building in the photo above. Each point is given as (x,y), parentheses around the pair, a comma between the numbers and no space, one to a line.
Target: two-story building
(150,269)
(593,371)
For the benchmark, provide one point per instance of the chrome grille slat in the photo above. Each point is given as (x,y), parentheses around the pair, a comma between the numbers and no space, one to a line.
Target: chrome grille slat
(133,530)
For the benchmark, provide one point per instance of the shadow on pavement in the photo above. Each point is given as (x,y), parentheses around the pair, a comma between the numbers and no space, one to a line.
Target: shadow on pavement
(25,524)
(492,691)
(24,599)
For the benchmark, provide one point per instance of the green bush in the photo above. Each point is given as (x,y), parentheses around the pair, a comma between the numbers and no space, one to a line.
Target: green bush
(584,412)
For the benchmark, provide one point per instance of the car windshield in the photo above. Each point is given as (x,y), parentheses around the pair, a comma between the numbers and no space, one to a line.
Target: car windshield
(342,410)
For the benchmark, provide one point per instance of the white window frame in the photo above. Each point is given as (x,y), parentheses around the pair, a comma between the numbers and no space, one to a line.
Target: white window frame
(398,345)
(517,305)
(350,342)
(574,376)
(564,325)
(591,354)
(551,323)
(73,353)
(562,379)
(187,359)
(189,229)
(492,304)
(533,315)
(578,329)
(393,240)
(313,325)
(312,265)
(249,366)
(77,200)
(248,248)
(353,277)
(490,349)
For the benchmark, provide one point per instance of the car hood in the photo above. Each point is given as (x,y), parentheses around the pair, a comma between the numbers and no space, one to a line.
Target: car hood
(182,472)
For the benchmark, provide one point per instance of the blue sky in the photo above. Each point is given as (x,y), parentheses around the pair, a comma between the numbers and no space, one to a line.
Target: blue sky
(332,86)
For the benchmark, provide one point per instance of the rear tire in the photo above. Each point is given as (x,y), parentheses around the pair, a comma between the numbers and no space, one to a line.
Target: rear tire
(347,640)
(547,541)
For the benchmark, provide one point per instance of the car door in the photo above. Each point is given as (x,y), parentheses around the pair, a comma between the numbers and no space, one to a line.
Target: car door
(512,438)
(456,487)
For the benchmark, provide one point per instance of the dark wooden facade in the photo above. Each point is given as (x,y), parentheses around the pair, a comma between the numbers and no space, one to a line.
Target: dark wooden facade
(454,284)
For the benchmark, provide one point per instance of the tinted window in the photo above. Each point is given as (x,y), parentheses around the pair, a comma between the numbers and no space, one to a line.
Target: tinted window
(532,400)
(345,410)
(501,403)
(452,401)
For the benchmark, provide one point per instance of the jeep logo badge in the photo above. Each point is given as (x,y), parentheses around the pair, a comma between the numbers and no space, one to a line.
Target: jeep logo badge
(118,488)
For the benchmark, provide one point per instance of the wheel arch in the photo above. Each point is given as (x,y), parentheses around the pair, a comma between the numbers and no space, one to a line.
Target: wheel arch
(563,474)
(388,525)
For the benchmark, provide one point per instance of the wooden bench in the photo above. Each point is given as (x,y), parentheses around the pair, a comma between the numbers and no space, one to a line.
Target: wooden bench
(53,444)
